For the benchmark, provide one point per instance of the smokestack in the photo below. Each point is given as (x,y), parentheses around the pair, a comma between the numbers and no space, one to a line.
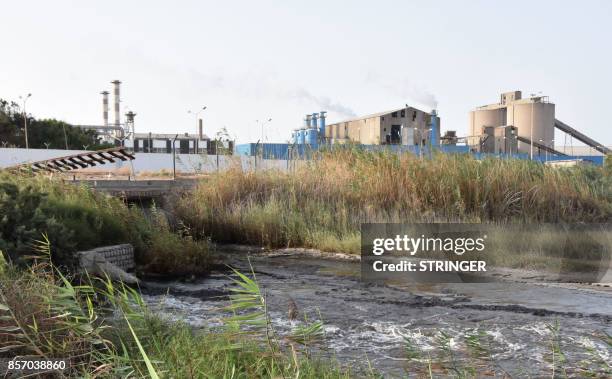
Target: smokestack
(117,94)
(200,129)
(322,124)
(307,120)
(314,120)
(105,107)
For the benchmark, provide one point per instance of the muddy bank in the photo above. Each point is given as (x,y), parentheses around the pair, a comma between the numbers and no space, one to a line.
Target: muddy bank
(503,274)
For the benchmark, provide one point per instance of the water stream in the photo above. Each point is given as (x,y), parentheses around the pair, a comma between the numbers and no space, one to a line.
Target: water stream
(382,325)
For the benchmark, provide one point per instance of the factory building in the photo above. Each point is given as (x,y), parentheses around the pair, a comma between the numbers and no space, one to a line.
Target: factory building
(162,143)
(402,126)
(522,120)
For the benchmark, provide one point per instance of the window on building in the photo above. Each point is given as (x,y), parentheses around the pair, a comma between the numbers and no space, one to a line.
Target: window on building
(414,116)
(403,113)
(394,114)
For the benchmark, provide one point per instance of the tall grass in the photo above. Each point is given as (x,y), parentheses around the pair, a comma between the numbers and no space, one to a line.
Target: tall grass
(322,204)
(104,329)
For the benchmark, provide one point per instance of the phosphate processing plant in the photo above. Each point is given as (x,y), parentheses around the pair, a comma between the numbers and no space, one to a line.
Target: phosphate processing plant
(518,127)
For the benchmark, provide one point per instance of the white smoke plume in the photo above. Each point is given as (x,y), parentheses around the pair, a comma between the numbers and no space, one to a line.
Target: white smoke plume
(419,95)
(322,102)
(405,89)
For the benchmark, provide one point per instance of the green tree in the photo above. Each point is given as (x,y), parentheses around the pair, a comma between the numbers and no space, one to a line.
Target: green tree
(43,133)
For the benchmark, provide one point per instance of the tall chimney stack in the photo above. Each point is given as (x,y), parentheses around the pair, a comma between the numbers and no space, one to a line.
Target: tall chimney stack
(117,94)
(105,107)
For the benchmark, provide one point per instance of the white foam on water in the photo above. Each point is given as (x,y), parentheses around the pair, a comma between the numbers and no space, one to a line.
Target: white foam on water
(600,349)
(540,328)
(499,338)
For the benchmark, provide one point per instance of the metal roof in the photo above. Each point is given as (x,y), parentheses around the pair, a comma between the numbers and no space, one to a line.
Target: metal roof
(169,136)
(379,114)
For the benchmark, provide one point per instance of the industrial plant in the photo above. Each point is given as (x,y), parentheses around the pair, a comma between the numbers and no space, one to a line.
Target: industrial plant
(124,133)
(518,127)
(521,125)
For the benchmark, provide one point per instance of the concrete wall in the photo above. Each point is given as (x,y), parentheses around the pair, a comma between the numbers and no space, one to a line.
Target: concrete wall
(121,256)
(147,162)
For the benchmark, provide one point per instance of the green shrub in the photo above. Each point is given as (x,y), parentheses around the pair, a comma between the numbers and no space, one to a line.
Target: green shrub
(76,218)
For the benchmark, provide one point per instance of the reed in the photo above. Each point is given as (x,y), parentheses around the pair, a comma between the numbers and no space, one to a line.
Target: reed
(322,203)
(104,329)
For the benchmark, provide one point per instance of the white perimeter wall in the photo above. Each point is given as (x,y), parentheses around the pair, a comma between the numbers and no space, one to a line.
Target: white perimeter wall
(148,162)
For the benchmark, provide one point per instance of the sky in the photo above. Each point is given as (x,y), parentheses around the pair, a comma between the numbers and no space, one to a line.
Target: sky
(255,60)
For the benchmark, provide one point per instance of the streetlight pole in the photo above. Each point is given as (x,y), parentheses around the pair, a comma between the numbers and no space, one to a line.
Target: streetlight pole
(405,125)
(420,142)
(174,157)
(531,129)
(197,133)
(25,118)
(196,118)
(552,146)
(262,124)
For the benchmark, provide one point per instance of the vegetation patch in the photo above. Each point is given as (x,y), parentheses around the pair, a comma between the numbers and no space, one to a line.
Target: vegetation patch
(105,330)
(75,218)
(322,203)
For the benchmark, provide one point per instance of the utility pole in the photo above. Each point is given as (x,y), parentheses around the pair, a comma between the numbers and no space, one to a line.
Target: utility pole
(65,137)
(25,118)
(404,127)
(197,113)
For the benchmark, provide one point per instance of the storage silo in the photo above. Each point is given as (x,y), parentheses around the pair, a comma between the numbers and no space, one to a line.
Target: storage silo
(486,116)
(535,120)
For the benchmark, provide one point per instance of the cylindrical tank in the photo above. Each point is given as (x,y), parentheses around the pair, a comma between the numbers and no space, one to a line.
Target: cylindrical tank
(301,133)
(481,118)
(322,124)
(434,133)
(534,120)
(311,136)
(313,120)
(294,136)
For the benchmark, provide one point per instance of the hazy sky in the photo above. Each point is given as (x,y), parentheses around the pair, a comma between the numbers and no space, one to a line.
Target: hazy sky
(249,60)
